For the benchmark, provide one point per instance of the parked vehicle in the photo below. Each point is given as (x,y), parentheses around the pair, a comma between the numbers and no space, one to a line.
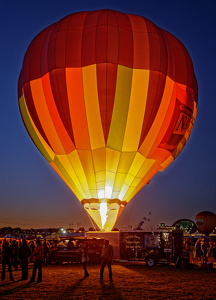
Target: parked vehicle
(68,250)
(151,247)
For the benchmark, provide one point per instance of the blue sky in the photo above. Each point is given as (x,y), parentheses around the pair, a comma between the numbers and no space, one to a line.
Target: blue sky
(33,195)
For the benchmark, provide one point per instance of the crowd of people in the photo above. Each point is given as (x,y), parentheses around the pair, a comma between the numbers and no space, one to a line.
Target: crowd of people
(19,253)
(200,249)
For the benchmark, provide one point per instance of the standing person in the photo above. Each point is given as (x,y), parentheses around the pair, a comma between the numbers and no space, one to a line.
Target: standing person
(14,248)
(106,255)
(198,250)
(204,247)
(24,253)
(46,253)
(6,260)
(32,246)
(38,261)
(84,257)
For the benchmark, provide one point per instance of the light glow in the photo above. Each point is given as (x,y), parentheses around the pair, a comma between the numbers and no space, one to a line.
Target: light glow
(101,194)
(103,213)
(108,192)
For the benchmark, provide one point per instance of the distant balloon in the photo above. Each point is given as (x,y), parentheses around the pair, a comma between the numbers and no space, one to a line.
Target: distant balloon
(205,222)
(186,225)
(109,99)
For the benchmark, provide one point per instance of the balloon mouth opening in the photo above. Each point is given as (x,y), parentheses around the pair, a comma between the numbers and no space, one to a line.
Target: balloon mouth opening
(98,201)
(103,213)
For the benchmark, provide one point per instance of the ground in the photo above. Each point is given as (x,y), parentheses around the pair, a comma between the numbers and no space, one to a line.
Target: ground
(66,281)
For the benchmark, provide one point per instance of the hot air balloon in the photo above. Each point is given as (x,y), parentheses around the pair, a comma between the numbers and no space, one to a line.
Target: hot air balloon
(109,99)
(205,222)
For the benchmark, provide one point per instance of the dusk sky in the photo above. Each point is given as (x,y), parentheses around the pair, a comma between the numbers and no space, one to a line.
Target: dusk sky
(33,195)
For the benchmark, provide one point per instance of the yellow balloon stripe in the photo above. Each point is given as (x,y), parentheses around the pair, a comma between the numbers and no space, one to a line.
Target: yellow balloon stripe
(112,160)
(136,164)
(126,159)
(140,182)
(42,146)
(111,219)
(120,108)
(99,159)
(119,180)
(146,166)
(78,169)
(95,215)
(88,167)
(123,191)
(92,107)
(68,168)
(136,111)
(64,165)
(109,185)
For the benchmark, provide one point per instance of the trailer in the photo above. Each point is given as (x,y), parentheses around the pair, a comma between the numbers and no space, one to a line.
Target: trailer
(139,246)
(150,247)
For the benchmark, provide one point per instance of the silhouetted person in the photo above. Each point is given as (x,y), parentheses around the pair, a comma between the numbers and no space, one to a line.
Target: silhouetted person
(46,253)
(32,246)
(84,257)
(6,260)
(14,248)
(204,247)
(24,253)
(198,250)
(38,261)
(106,255)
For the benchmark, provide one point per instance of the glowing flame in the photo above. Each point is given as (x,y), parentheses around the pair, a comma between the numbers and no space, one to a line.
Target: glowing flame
(103,213)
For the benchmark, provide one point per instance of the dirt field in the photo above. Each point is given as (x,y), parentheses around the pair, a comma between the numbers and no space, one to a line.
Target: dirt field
(129,282)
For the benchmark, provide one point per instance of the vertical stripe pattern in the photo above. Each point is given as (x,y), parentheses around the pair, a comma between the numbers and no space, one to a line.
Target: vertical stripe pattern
(109,99)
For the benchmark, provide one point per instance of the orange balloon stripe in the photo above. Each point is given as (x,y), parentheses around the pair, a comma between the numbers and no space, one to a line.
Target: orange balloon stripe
(160,155)
(159,119)
(35,135)
(155,92)
(44,116)
(32,111)
(77,108)
(165,124)
(184,96)
(62,133)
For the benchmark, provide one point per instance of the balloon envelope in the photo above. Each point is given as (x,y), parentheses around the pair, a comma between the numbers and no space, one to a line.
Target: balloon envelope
(205,222)
(109,99)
